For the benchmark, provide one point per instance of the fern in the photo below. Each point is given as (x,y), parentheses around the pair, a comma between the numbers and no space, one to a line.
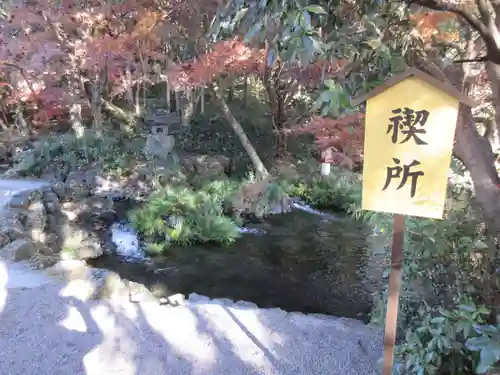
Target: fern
(180,215)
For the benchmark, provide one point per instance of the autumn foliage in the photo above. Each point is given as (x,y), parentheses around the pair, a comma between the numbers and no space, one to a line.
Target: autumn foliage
(49,50)
(56,54)
(427,24)
(344,136)
(227,57)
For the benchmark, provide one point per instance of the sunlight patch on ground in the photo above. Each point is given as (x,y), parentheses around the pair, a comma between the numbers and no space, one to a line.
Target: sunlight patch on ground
(74,321)
(183,333)
(4,278)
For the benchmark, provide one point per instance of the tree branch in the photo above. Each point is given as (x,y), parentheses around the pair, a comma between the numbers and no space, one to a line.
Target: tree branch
(476,59)
(484,11)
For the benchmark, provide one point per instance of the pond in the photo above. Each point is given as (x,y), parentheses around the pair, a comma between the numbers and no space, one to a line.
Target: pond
(300,261)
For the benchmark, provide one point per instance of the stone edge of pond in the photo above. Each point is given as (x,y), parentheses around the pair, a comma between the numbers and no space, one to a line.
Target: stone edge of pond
(298,317)
(89,283)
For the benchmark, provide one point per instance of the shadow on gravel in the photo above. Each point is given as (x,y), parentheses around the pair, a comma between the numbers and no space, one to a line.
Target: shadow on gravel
(47,331)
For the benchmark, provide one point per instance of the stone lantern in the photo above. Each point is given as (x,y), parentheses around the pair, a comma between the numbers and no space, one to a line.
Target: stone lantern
(160,141)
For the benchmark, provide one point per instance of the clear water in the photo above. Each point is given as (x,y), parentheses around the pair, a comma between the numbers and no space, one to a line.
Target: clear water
(127,241)
(305,260)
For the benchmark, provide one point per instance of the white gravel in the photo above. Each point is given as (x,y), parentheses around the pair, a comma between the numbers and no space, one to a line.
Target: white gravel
(47,331)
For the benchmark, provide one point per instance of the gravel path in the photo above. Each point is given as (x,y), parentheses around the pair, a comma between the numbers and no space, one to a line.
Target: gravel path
(46,331)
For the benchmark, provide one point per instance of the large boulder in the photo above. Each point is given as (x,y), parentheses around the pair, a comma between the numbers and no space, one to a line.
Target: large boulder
(89,208)
(79,243)
(38,228)
(11,227)
(205,166)
(20,249)
(260,199)
(5,155)
(79,184)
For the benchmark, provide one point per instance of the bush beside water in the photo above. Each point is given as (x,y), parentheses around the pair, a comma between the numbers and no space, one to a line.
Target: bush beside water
(181,215)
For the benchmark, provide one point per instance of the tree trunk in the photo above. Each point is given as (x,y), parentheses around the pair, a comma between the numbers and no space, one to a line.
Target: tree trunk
(245,90)
(260,168)
(75,118)
(167,96)
(472,149)
(476,154)
(125,119)
(189,109)
(494,76)
(177,96)
(20,121)
(493,71)
(202,98)
(230,93)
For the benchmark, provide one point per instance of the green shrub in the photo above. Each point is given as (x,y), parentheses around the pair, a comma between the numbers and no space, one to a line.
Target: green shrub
(62,153)
(339,191)
(178,214)
(445,278)
(455,341)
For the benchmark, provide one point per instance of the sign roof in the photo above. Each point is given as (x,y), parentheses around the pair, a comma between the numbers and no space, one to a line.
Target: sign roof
(414,72)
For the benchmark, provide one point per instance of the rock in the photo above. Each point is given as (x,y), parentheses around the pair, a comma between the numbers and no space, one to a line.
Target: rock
(174,300)
(35,221)
(204,166)
(257,199)
(107,284)
(88,208)
(51,202)
(10,225)
(5,155)
(88,282)
(97,206)
(246,304)
(60,190)
(108,188)
(197,298)
(222,301)
(138,292)
(36,217)
(159,145)
(68,270)
(69,214)
(4,239)
(42,261)
(80,183)
(90,248)
(79,244)
(20,249)
(21,200)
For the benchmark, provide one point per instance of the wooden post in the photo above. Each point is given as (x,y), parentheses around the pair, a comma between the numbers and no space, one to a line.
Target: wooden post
(391,318)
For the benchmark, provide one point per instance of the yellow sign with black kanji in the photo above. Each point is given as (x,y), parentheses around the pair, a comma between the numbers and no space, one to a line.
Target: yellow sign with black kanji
(409,133)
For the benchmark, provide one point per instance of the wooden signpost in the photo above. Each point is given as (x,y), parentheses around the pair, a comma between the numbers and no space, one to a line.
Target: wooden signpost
(409,131)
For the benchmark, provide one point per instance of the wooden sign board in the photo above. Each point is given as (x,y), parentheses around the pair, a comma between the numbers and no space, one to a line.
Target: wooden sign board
(409,131)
